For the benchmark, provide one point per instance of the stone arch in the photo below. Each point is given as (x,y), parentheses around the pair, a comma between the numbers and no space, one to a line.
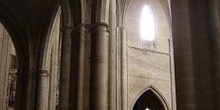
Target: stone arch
(17,36)
(46,65)
(46,42)
(20,42)
(152,99)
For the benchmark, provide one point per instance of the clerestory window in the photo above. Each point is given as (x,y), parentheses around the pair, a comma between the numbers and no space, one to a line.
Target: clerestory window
(147,27)
(147,24)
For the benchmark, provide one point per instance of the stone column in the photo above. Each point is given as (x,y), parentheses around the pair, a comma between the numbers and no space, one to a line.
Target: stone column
(112,56)
(42,91)
(99,55)
(185,85)
(81,73)
(29,89)
(65,68)
(202,56)
(77,69)
(124,73)
(122,77)
(21,86)
(215,32)
(99,67)
(65,65)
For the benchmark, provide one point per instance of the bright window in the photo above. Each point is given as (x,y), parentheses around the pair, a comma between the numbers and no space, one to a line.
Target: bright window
(147,24)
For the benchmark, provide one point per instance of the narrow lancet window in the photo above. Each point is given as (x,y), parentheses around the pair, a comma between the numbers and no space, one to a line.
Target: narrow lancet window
(147,27)
(147,24)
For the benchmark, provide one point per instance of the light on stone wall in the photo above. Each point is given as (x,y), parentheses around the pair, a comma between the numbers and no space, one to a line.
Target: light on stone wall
(147,24)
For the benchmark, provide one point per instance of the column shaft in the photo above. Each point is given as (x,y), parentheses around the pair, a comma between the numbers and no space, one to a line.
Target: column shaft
(30,87)
(215,32)
(65,69)
(124,73)
(112,56)
(81,68)
(42,90)
(99,68)
(185,82)
(77,67)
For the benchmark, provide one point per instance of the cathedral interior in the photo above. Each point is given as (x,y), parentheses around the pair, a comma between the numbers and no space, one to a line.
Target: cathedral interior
(110,55)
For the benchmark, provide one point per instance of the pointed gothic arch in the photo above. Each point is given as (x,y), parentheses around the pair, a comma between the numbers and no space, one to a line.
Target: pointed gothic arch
(150,99)
(8,70)
(20,43)
(48,65)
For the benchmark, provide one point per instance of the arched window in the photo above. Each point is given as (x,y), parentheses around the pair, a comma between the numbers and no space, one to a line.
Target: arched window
(147,24)
(147,27)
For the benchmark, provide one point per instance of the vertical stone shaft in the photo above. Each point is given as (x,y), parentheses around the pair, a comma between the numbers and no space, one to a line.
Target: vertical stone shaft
(215,32)
(124,73)
(65,69)
(66,49)
(42,90)
(112,56)
(99,55)
(99,67)
(76,73)
(185,80)
(202,55)
(30,86)
(81,68)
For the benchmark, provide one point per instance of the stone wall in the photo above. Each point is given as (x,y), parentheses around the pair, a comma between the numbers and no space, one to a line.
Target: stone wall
(149,67)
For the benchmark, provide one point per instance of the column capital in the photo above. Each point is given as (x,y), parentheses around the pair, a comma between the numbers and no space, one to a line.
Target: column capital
(64,28)
(121,28)
(43,73)
(98,24)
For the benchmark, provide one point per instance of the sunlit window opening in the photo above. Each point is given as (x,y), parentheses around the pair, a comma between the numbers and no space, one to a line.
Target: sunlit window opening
(147,24)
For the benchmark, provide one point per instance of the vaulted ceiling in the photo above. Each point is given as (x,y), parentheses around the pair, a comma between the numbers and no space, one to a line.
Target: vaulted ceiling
(32,17)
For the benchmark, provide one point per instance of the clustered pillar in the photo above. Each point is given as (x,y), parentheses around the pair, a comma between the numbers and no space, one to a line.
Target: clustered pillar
(72,83)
